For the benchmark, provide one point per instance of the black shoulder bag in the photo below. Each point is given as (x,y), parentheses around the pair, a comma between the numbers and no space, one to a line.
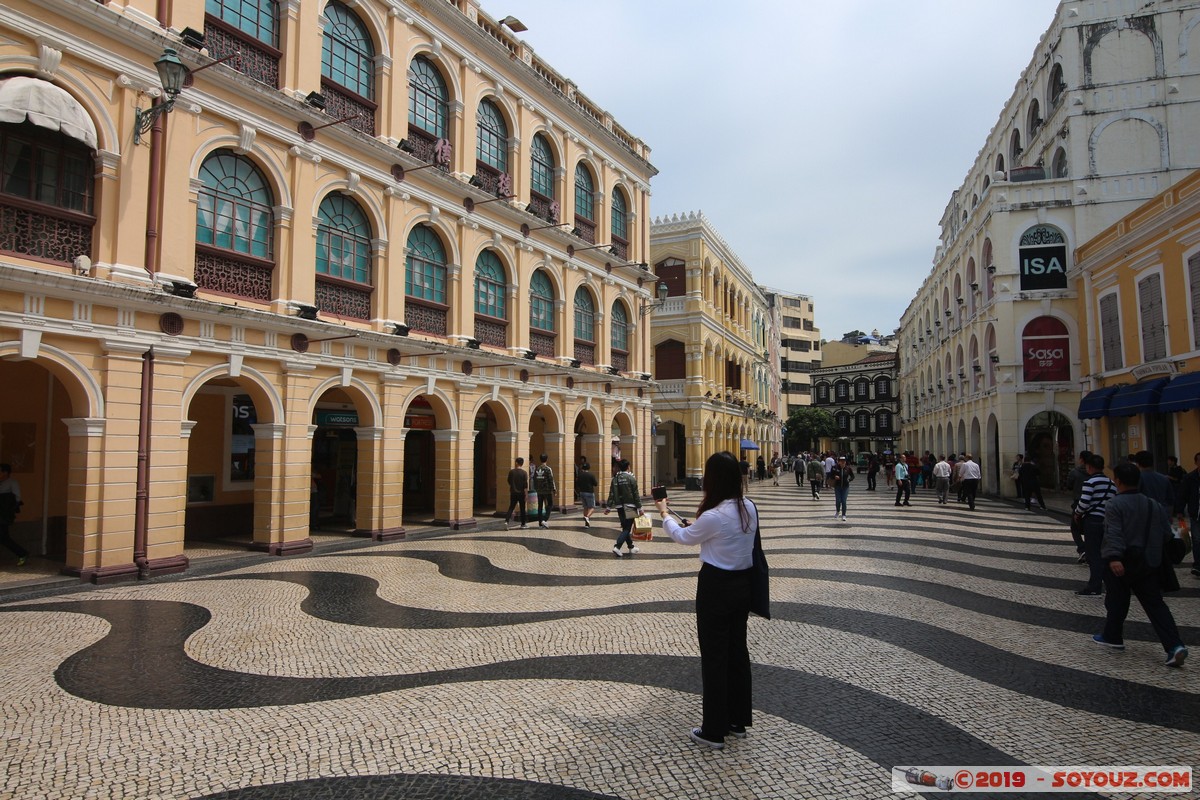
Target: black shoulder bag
(760,578)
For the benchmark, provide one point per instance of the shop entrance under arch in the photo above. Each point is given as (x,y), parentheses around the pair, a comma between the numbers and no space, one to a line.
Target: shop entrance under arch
(1050,440)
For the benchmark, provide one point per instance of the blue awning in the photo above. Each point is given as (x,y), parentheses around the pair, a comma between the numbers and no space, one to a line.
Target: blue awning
(748,445)
(1094,405)
(1181,394)
(1137,398)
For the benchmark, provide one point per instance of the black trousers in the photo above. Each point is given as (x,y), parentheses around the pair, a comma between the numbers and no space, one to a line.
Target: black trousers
(516,499)
(902,488)
(545,502)
(10,543)
(1148,592)
(722,608)
(1093,535)
(1033,492)
(870,481)
(1077,533)
(970,488)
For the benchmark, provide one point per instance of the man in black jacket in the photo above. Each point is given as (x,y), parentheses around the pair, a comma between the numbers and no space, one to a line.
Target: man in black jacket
(1135,534)
(1187,502)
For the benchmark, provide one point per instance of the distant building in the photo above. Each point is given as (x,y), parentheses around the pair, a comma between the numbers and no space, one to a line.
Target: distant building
(1103,119)
(799,346)
(715,352)
(863,400)
(852,349)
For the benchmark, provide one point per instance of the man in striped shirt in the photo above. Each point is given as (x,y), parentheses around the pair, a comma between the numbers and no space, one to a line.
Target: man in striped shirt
(1093,499)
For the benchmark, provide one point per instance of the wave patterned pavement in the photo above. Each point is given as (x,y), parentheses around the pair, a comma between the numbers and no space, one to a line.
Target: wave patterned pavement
(533,664)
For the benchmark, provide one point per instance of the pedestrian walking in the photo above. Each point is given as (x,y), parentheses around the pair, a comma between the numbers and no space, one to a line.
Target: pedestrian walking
(518,487)
(872,471)
(1031,483)
(816,477)
(1154,484)
(760,466)
(1015,475)
(10,506)
(941,479)
(1097,490)
(744,464)
(724,529)
(1187,502)
(776,467)
(889,468)
(543,484)
(1075,480)
(1136,529)
(623,495)
(902,487)
(798,467)
(586,484)
(970,475)
(840,478)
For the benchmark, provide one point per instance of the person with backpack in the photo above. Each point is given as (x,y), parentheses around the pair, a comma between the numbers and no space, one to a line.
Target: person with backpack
(816,476)
(623,495)
(543,484)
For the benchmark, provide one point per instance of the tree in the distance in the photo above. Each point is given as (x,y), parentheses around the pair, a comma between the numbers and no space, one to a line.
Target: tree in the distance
(806,425)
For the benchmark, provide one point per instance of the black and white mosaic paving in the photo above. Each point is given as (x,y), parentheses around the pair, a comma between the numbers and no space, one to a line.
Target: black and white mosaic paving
(533,664)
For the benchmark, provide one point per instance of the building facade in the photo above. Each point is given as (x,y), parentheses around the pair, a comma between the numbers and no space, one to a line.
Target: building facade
(1100,121)
(340,292)
(1138,283)
(863,400)
(799,346)
(715,352)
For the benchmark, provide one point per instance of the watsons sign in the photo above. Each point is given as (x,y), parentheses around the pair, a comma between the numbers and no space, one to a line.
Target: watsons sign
(1043,256)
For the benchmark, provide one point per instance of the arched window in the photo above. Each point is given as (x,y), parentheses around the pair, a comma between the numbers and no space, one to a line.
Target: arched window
(585,326)
(541,307)
(620,336)
(1034,120)
(822,392)
(428,100)
(46,190)
(249,27)
(1000,163)
(343,254)
(491,297)
(841,391)
(883,388)
(620,225)
(585,203)
(585,316)
(258,19)
(1058,167)
(235,227)
(541,195)
(541,314)
(491,148)
(1014,148)
(348,68)
(425,281)
(883,421)
(862,389)
(843,422)
(343,240)
(490,286)
(862,422)
(1056,85)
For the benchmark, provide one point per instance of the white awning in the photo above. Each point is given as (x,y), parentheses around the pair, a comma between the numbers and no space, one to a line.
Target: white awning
(46,106)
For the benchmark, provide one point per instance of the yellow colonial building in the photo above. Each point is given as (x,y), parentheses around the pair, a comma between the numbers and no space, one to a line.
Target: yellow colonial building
(273,267)
(1139,295)
(716,353)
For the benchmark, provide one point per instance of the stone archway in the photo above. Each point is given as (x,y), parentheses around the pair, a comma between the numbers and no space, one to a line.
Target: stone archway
(1050,440)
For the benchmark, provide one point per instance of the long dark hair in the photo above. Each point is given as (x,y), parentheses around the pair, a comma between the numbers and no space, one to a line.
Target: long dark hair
(723,481)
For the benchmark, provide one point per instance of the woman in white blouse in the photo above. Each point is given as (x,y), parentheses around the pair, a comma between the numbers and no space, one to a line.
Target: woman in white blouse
(724,529)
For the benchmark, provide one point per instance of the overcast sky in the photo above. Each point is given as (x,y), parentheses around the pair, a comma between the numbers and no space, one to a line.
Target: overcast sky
(821,139)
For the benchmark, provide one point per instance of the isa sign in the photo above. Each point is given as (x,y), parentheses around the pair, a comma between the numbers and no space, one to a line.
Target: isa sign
(1044,267)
